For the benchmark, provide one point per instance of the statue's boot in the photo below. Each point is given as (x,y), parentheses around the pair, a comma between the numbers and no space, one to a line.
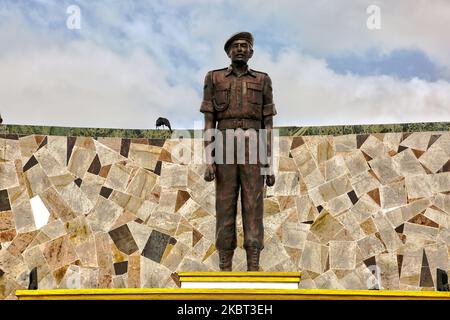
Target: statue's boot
(225,259)
(253,259)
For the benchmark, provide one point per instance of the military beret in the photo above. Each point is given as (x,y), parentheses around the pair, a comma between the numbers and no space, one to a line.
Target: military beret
(238,36)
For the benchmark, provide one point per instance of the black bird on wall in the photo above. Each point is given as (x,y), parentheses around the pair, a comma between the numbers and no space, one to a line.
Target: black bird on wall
(163,122)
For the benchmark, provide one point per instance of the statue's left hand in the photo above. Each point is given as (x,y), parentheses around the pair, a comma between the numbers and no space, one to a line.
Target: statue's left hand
(270,180)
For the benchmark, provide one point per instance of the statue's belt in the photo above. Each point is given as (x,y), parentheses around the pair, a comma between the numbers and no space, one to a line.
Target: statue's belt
(239,123)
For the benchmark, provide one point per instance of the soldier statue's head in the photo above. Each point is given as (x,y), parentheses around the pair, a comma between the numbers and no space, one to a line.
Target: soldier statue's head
(239,47)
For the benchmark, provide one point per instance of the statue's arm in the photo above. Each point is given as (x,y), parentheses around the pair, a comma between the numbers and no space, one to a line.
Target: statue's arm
(207,109)
(268,112)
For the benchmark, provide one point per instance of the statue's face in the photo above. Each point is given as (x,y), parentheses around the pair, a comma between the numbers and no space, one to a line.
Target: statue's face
(240,51)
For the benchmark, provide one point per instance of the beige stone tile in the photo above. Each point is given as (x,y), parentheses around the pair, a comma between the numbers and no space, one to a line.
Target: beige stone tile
(23,217)
(442,201)
(54,229)
(27,146)
(325,227)
(411,266)
(127,202)
(173,259)
(294,234)
(153,275)
(103,215)
(335,188)
(438,216)
(145,156)
(313,256)
(57,207)
(286,184)
(146,210)
(80,161)
(406,164)
(314,179)
(63,180)
(434,158)
(364,208)
(37,180)
(78,230)
(51,166)
(328,280)
(339,204)
(383,167)
(356,163)
(374,147)
(419,232)
(345,143)
(86,251)
(414,208)
(107,155)
(59,252)
(118,177)
(110,142)
(75,198)
(304,160)
(351,224)
(392,140)
(437,256)
(440,182)
(370,246)
(352,281)
(389,278)
(8,176)
(57,146)
(273,222)
(364,183)
(91,186)
(335,167)
(393,195)
(419,186)
(284,144)
(342,255)
(395,217)
(140,233)
(305,209)
(417,140)
(388,234)
(141,183)
(173,175)
(9,150)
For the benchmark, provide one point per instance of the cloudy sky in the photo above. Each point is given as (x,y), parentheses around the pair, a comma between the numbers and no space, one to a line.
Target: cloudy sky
(133,61)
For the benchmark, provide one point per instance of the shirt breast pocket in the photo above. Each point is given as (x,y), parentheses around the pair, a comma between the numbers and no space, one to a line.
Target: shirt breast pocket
(254,93)
(221,96)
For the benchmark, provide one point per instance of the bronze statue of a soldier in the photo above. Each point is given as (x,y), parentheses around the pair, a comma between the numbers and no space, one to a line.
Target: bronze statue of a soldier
(238,97)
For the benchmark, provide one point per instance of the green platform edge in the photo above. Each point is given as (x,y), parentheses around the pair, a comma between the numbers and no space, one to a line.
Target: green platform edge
(23,130)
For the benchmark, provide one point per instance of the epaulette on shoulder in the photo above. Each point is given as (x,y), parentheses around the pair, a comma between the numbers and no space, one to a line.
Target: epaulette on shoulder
(259,72)
(222,69)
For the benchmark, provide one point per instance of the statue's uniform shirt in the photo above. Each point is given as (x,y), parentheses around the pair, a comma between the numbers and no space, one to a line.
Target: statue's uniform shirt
(238,101)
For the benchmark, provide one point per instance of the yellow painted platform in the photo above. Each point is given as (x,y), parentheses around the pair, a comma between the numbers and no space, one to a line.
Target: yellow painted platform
(226,294)
(231,276)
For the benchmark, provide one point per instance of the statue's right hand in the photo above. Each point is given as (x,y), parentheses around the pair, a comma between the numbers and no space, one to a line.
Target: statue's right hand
(210,172)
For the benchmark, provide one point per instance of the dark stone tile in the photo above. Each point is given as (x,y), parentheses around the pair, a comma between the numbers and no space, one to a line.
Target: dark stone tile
(366,156)
(2,272)
(43,143)
(399,263)
(120,268)
(297,142)
(401,148)
(123,239)
(360,139)
(4,201)
(353,197)
(70,144)
(405,135)
(156,142)
(176,278)
(417,153)
(400,228)
(95,166)
(125,147)
(370,262)
(319,208)
(156,245)
(182,197)
(445,167)
(10,136)
(30,164)
(196,237)
(78,182)
(308,222)
(105,192)
(158,168)
(433,139)
(426,280)
(139,140)
(375,195)
(422,220)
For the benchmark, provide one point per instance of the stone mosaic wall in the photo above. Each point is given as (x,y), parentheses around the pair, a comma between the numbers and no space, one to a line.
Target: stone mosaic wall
(353,211)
